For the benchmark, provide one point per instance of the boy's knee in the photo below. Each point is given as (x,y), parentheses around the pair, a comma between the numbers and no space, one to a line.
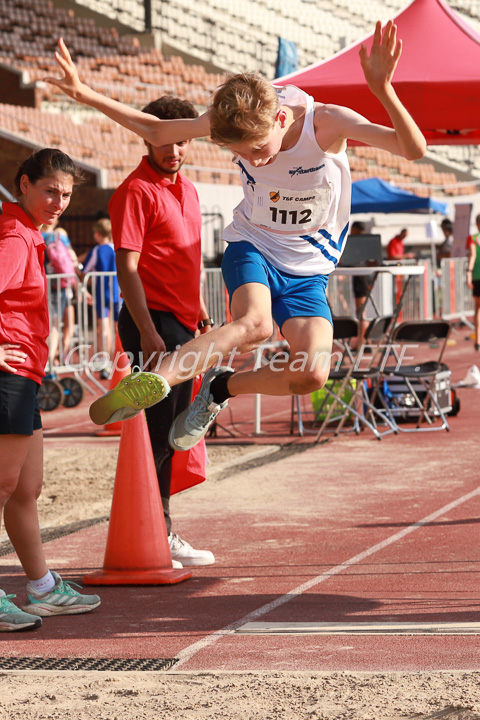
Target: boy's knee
(308,381)
(255,331)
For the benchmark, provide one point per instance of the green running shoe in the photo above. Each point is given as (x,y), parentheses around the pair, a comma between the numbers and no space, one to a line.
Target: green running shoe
(12,618)
(62,600)
(133,394)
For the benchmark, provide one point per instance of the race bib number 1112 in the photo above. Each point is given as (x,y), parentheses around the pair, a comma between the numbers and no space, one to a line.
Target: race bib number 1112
(290,211)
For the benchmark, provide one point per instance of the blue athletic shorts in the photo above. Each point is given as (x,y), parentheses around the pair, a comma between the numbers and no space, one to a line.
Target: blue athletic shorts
(19,411)
(292,295)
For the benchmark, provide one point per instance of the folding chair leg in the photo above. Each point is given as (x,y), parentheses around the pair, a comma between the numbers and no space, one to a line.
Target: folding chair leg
(331,408)
(361,395)
(354,412)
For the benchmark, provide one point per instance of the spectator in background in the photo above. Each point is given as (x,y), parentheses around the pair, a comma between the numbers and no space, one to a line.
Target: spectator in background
(473,276)
(100,259)
(361,287)
(445,249)
(60,257)
(396,247)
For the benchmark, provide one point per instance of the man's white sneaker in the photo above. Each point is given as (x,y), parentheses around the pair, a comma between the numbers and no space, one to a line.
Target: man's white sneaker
(183,552)
(193,423)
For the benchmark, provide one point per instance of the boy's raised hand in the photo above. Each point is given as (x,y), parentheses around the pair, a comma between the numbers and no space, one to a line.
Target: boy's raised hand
(379,66)
(70,83)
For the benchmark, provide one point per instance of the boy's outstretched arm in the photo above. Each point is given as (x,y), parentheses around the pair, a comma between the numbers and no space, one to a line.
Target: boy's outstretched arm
(379,68)
(150,128)
(405,138)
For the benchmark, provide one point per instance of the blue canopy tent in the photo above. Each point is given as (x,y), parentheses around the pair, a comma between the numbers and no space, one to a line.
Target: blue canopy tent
(375,195)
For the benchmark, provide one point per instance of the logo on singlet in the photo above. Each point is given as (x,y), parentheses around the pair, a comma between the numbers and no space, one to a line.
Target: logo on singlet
(250,179)
(275,196)
(301,171)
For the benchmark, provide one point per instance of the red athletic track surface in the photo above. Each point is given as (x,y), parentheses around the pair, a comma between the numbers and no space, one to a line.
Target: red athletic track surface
(346,531)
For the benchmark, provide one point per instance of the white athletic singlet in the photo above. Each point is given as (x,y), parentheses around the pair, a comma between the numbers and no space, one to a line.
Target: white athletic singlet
(296,210)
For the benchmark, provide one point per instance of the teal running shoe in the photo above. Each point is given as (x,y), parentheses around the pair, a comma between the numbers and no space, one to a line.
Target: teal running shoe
(12,618)
(193,423)
(133,394)
(62,600)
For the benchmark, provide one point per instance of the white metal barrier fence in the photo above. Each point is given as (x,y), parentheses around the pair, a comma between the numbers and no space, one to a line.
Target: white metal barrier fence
(82,336)
(454,297)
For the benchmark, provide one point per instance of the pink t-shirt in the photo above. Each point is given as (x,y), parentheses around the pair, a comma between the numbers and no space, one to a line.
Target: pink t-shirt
(162,221)
(23,290)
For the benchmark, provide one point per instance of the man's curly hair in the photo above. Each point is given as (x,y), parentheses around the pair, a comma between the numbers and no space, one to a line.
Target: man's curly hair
(170,108)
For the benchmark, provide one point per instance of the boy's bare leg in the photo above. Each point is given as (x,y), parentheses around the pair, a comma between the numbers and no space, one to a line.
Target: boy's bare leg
(302,370)
(251,326)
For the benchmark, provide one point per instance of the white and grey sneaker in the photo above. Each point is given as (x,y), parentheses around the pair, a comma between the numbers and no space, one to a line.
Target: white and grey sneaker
(62,600)
(12,618)
(183,552)
(193,423)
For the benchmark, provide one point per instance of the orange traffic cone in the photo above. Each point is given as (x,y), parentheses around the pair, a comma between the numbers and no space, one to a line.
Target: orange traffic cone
(137,551)
(122,369)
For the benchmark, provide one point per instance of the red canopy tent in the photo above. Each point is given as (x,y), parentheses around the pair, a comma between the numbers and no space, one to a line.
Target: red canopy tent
(437,78)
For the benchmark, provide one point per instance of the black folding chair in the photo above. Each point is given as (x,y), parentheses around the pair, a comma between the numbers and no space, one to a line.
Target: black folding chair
(422,387)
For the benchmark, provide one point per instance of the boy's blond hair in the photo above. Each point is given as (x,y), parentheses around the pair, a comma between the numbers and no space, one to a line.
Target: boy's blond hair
(243,109)
(103,227)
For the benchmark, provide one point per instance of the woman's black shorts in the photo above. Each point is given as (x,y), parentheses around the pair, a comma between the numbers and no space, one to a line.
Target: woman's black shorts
(19,411)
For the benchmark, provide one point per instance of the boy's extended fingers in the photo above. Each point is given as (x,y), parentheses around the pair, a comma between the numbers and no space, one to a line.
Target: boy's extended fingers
(398,51)
(392,38)
(64,50)
(377,35)
(62,62)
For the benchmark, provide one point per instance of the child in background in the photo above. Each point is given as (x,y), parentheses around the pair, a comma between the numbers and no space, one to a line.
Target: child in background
(101,258)
(60,258)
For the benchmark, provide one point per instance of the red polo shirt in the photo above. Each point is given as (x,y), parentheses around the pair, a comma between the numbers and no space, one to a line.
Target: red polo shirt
(162,221)
(395,248)
(23,290)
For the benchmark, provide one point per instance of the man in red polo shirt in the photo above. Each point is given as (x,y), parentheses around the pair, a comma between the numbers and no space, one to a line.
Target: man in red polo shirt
(156,228)
(396,247)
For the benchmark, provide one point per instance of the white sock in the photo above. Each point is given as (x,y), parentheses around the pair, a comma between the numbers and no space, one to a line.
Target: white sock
(45,584)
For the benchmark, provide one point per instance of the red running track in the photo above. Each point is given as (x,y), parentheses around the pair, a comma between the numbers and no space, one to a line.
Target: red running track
(352,530)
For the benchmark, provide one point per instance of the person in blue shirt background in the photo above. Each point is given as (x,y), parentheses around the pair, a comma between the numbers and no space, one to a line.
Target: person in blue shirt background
(106,296)
(61,296)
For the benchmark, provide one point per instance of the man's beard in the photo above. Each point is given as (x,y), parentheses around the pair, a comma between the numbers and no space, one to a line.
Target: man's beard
(165,170)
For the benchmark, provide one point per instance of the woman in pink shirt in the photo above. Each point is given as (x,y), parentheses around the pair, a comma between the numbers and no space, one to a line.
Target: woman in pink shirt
(44,185)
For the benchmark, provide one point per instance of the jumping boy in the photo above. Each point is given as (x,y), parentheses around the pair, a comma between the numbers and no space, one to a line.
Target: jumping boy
(286,237)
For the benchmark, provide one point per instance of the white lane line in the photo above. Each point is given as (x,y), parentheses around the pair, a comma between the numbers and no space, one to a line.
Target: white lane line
(187,653)
(67,427)
(359,628)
